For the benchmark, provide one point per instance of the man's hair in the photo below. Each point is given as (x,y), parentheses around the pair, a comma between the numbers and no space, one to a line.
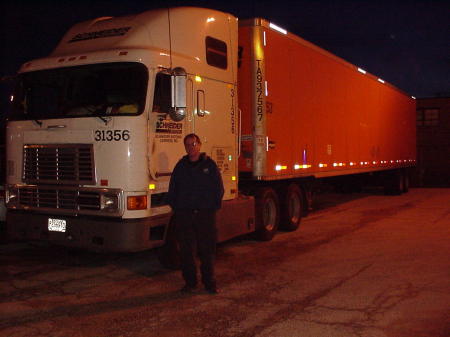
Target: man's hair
(192,135)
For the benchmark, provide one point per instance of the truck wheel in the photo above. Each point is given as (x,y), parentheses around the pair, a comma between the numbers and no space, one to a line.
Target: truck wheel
(267,214)
(169,254)
(291,208)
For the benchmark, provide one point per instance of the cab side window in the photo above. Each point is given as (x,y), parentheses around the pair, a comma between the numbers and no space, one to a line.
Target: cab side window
(162,98)
(216,53)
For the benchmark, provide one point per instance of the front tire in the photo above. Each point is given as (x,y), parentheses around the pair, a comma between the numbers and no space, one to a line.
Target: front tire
(267,214)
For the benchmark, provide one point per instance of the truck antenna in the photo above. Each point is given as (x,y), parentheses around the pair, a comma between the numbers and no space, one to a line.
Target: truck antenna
(170,38)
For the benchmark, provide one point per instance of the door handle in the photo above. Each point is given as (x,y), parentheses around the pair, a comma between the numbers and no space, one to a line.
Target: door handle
(201,103)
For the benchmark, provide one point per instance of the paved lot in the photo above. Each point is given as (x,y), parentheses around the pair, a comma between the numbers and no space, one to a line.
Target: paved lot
(361,265)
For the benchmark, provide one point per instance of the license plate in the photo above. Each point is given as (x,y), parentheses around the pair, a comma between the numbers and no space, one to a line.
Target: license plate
(56,225)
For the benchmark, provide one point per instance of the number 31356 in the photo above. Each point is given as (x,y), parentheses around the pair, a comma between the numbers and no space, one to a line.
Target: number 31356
(112,135)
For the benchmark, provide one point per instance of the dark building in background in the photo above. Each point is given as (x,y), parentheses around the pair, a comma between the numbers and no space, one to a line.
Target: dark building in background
(433,142)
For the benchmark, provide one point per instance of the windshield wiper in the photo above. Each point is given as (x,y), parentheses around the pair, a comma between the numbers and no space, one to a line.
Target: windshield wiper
(105,120)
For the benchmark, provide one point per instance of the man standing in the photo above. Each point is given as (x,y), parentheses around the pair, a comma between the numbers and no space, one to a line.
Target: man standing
(195,194)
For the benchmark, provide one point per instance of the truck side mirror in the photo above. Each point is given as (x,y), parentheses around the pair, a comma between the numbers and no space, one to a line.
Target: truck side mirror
(178,106)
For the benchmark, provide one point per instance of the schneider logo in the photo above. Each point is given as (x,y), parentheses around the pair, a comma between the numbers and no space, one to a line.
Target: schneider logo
(100,34)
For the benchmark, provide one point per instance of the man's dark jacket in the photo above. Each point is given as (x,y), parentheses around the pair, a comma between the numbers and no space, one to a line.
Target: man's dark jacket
(195,185)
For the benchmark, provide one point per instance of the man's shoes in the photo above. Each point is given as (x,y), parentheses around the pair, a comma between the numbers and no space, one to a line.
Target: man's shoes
(187,289)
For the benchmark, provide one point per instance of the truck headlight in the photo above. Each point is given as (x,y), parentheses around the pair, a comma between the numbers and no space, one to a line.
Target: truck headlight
(109,202)
(12,196)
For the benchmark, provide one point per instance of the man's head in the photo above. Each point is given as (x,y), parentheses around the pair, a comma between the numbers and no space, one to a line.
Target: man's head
(192,144)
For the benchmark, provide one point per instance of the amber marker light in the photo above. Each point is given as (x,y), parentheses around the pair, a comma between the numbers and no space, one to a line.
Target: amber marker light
(137,202)
(198,79)
(151,186)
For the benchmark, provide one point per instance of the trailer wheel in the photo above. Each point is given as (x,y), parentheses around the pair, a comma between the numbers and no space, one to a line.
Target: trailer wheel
(169,254)
(267,214)
(291,208)
(394,182)
(405,181)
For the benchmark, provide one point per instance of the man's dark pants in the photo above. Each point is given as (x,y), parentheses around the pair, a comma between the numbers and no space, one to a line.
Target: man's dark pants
(196,232)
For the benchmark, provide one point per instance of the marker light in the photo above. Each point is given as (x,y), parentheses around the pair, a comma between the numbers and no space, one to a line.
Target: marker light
(280,167)
(413,97)
(380,80)
(151,186)
(297,166)
(210,19)
(137,202)
(267,89)
(323,165)
(198,79)
(264,38)
(362,71)
(233,178)
(278,29)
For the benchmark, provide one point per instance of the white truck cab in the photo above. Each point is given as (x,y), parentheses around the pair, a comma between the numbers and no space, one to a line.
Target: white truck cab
(98,125)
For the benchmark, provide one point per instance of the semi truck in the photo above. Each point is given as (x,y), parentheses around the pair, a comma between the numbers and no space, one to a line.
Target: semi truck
(97,126)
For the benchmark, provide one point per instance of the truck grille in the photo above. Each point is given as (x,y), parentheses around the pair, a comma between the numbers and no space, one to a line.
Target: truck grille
(51,198)
(70,164)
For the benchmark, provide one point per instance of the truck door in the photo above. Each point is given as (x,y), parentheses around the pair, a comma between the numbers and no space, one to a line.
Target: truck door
(214,120)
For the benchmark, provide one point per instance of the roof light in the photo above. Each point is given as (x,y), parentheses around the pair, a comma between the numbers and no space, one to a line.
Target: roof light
(362,71)
(413,97)
(380,80)
(277,28)
(210,19)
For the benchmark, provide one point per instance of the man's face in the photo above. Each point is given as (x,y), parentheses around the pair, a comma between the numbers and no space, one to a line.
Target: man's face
(192,147)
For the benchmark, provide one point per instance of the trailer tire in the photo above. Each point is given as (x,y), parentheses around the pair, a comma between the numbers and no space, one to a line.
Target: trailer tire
(291,207)
(394,182)
(267,214)
(405,181)
(169,254)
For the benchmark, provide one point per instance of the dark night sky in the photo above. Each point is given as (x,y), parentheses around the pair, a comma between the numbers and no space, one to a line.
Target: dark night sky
(407,43)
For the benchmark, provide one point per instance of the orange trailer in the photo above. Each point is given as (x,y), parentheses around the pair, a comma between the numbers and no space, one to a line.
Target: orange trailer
(312,114)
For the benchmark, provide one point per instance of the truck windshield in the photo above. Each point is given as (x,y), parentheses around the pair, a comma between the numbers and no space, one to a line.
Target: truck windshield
(91,90)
